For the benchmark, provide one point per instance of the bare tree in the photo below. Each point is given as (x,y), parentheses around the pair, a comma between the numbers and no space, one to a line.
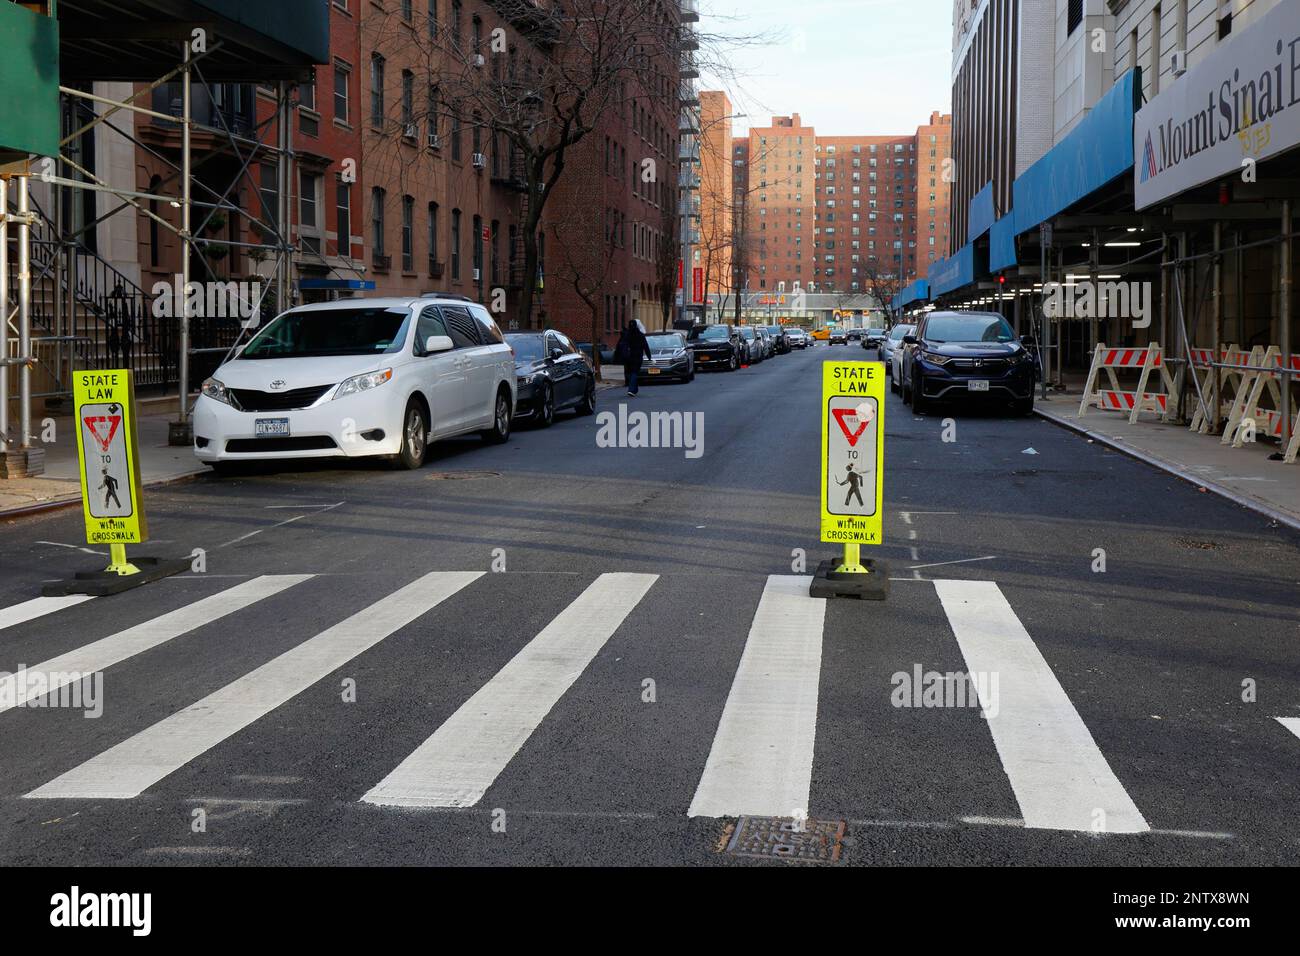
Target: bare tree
(668,254)
(587,277)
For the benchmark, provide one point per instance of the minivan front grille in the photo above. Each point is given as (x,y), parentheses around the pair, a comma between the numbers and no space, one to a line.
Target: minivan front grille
(248,400)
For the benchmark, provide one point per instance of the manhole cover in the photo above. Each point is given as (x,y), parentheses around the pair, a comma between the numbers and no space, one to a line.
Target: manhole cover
(462,475)
(781,838)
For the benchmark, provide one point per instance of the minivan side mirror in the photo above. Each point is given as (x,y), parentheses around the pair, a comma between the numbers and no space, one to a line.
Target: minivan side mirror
(910,340)
(557,352)
(1028,341)
(438,343)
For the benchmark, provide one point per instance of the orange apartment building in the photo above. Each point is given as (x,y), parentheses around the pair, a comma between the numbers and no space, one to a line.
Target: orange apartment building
(717,194)
(831,211)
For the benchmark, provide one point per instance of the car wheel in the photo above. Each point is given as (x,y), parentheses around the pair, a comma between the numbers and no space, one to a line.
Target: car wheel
(588,403)
(735,363)
(415,437)
(919,403)
(893,385)
(546,410)
(499,433)
(1023,406)
(691,377)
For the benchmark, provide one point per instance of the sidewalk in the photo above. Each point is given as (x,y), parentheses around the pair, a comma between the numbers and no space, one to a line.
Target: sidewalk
(159,462)
(1242,475)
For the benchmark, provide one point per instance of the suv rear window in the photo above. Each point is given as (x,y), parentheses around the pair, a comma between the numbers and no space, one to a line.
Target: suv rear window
(490,333)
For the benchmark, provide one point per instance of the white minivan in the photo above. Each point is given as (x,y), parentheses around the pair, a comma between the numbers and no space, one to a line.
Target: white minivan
(356,378)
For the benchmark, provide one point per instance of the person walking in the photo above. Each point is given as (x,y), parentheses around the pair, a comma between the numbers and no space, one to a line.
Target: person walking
(632,348)
(854,480)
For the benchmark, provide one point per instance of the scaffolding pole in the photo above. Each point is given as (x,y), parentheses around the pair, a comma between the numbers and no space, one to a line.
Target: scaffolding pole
(181,431)
(4,321)
(1285,320)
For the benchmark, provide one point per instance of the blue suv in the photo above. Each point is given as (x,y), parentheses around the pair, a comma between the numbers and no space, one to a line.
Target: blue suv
(967,356)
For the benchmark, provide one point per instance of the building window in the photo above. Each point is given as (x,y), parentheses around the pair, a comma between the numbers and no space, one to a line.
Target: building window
(433,19)
(376,90)
(455,243)
(377,220)
(433,238)
(1074,16)
(408,234)
(270,194)
(342,76)
(408,102)
(309,224)
(343,213)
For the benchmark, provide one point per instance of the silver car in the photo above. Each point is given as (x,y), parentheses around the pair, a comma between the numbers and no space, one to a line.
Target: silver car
(891,353)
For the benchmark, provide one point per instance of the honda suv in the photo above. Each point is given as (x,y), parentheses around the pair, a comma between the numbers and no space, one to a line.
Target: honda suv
(357,378)
(967,356)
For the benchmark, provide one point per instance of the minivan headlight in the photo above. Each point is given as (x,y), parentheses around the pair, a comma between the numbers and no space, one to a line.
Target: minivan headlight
(363,383)
(214,390)
(936,358)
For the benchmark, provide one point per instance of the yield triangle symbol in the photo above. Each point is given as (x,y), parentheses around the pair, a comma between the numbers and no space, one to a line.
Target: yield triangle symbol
(103,428)
(851,423)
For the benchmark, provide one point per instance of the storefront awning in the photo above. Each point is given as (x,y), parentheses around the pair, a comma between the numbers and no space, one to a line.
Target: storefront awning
(1002,244)
(981,212)
(954,272)
(1096,151)
(918,291)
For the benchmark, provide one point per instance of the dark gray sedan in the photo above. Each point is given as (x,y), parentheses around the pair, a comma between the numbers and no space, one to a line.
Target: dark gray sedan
(551,375)
(670,358)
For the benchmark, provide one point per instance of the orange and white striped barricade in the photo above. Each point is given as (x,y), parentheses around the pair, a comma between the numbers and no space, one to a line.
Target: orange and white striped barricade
(1247,414)
(1230,371)
(1268,421)
(1144,361)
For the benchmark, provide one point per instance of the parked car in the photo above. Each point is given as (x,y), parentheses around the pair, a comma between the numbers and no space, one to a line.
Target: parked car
(551,375)
(356,378)
(871,338)
(967,356)
(853,335)
(671,358)
(838,337)
(891,353)
(717,346)
(780,341)
(798,338)
(764,336)
(753,347)
(606,352)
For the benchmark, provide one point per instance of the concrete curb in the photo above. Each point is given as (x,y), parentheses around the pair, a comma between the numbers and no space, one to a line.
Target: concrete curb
(1173,468)
(53,504)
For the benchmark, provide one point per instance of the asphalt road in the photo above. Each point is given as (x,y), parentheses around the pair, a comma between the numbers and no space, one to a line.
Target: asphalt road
(1128,681)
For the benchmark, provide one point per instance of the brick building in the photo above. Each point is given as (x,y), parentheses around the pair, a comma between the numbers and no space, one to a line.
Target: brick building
(828,212)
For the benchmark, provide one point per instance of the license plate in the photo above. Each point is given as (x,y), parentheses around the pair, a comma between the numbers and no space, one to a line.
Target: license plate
(978,385)
(704,358)
(653,371)
(271,427)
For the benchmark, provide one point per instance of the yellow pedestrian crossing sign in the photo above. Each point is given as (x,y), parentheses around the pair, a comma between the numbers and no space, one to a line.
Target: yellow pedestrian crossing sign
(111,502)
(853,452)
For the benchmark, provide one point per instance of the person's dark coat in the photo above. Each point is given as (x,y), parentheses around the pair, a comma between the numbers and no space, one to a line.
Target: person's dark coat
(632,348)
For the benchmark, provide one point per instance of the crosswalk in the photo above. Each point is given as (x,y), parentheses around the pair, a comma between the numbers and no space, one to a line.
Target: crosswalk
(760,758)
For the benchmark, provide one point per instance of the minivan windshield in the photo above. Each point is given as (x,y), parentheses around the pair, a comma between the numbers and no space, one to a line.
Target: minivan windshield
(747,333)
(896,334)
(968,327)
(323,332)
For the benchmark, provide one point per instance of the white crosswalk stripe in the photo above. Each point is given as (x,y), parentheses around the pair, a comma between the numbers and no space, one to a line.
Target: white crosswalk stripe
(455,766)
(760,761)
(134,765)
(1290,723)
(1060,778)
(762,755)
(75,665)
(38,607)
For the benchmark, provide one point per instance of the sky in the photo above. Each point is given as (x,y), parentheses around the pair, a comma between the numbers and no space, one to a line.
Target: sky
(848,67)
